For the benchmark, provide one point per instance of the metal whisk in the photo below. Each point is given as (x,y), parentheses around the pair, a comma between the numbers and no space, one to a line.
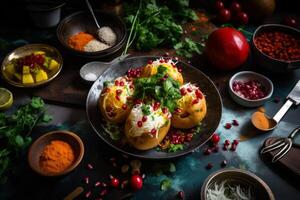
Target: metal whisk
(284,143)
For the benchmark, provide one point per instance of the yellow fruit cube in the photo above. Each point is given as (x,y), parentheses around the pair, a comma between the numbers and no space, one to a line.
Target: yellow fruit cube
(27,79)
(53,65)
(39,53)
(26,69)
(41,75)
(10,69)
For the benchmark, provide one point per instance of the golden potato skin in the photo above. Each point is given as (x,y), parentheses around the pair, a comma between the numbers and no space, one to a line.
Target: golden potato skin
(196,114)
(150,70)
(146,142)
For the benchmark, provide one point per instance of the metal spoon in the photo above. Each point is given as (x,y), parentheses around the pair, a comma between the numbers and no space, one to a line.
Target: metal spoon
(92,70)
(105,33)
(292,98)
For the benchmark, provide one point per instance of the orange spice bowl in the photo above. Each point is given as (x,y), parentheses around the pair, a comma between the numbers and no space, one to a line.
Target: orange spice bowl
(36,150)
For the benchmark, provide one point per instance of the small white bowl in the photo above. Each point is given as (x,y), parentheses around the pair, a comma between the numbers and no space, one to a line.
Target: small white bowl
(245,76)
(92,70)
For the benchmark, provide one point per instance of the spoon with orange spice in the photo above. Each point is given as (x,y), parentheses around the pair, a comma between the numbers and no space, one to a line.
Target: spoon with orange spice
(265,123)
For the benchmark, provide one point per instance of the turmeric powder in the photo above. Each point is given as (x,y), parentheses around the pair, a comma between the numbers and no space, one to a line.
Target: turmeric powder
(79,40)
(56,157)
(260,120)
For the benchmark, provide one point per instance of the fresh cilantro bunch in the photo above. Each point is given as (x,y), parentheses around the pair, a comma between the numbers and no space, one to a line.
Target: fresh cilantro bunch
(187,47)
(15,130)
(165,91)
(156,23)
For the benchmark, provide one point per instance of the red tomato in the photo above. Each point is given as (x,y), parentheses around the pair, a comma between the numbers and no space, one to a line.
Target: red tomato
(242,18)
(224,15)
(226,48)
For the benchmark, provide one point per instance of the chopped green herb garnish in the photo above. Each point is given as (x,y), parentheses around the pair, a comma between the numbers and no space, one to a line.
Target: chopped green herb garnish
(166,92)
(146,109)
(106,83)
(175,147)
(165,184)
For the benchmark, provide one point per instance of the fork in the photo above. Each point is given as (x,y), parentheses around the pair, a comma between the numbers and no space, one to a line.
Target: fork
(284,143)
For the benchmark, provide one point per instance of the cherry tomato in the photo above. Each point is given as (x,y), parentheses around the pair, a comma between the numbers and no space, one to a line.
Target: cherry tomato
(235,7)
(136,182)
(226,48)
(114,182)
(290,21)
(215,138)
(242,18)
(219,5)
(224,15)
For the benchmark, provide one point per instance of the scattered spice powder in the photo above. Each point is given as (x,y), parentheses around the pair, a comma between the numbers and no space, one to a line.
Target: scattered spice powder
(79,40)
(56,157)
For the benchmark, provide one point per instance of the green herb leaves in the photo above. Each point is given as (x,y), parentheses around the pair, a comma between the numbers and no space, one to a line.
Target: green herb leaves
(15,130)
(146,109)
(162,89)
(188,47)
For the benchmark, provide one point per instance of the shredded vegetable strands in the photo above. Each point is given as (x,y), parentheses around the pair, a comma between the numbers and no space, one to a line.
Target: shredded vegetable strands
(225,191)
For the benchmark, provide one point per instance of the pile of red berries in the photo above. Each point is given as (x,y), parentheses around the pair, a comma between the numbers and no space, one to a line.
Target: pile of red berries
(230,13)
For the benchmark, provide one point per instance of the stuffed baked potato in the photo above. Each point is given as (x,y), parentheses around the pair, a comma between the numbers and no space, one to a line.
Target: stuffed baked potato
(115,99)
(191,107)
(146,126)
(151,69)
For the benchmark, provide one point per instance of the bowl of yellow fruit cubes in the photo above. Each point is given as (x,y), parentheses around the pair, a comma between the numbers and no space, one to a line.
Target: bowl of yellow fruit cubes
(31,65)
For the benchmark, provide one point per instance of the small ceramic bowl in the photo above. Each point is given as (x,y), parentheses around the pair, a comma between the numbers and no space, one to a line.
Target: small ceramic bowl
(37,147)
(238,177)
(245,76)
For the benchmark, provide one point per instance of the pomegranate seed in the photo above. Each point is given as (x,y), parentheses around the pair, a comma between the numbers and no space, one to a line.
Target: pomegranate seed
(207,151)
(122,83)
(209,166)
(233,147)
(189,89)
(179,70)
(199,94)
(156,105)
(104,184)
(180,194)
(97,184)
(153,131)
(131,86)
(144,118)
(163,79)
(235,122)
(103,192)
(118,92)
(136,182)
(88,194)
(195,101)
(176,58)
(166,75)
(225,148)
(114,182)
(215,138)
(182,91)
(177,110)
(150,62)
(118,97)
(162,61)
(124,107)
(86,180)
(138,101)
(226,143)
(235,142)
(90,166)
(223,163)
(165,110)
(166,54)
(117,83)
(139,124)
(227,125)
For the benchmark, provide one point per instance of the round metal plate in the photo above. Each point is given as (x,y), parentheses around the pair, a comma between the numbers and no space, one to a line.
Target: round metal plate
(190,74)
(27,50)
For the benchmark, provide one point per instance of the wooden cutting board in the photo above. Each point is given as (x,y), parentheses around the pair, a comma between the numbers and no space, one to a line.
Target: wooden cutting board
(290,161)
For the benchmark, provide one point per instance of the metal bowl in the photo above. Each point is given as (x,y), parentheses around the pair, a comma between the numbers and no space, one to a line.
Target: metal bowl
(190,74)
(241,177)
(82,22)
(267,62)
(26,50)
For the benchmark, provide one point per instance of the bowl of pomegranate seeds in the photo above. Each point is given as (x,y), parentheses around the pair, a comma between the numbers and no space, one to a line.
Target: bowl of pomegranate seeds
(276,47)
(250,89)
